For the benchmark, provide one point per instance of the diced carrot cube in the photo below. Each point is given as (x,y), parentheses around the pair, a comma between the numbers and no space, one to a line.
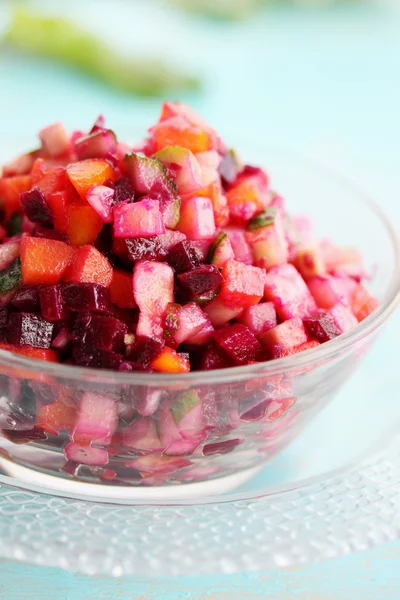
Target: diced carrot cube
(176,131)
(362,303)
(83,224)
(44,261)
(10,189)
(86,173)
(88,265)
(30,352)
(170,362)
(121,289)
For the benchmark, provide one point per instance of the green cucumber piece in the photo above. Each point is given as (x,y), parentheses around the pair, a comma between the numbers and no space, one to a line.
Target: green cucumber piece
(219,240)
(10,277)
(264,219)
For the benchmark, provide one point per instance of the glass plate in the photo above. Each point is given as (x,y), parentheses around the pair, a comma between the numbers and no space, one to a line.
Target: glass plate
(334,491)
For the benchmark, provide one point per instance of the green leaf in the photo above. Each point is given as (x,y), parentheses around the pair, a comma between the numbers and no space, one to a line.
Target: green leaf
(61,40)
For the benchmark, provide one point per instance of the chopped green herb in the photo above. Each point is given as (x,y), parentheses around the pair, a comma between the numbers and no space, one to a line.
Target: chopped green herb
(10,277)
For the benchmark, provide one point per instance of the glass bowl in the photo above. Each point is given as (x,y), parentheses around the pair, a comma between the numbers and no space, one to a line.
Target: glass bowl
(126,442)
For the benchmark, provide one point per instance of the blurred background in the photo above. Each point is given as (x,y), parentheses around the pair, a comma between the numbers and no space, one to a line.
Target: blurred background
(318,76)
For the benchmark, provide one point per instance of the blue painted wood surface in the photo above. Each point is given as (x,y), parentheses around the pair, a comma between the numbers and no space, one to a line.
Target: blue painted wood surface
(324,82)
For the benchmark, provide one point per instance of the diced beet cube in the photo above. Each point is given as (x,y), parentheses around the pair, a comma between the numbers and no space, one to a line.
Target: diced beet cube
(201,283)
(81,323)
(330,290)
(83,297)
(321,326)
(259,318)
(220,447)
(101,332)
(128,367)
(285,287)
(50,234)
(183,257)
(343,318)
(239,343)
(243,285)
(145,350)
(142,248)
(27,298)
(36,208)
(53,305)
(25,436)
(284,337)
(29,329)
(62,339)
(123,191)
(4,314)
(98,359)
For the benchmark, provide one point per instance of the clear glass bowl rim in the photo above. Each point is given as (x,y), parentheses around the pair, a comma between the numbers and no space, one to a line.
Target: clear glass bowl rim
(234,374)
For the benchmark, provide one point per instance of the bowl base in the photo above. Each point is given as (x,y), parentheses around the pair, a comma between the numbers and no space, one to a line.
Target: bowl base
(185,491)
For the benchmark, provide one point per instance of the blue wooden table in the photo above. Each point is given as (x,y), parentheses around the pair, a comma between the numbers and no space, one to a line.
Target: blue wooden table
(326,83)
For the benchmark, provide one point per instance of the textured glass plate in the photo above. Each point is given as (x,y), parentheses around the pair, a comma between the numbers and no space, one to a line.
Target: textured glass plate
(335,490)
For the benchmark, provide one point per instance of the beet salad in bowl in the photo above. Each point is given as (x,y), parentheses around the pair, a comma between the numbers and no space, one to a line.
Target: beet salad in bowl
(166,318)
